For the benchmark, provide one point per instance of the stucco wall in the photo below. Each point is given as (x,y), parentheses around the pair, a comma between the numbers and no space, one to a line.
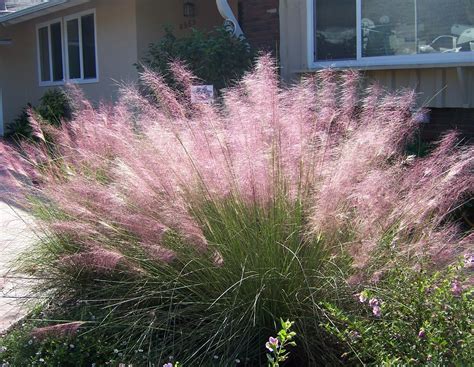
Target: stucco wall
(437,87)
(116,49)
(154,15)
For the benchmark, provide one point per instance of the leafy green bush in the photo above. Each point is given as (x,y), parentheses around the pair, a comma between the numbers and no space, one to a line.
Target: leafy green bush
(410,318)
(21,348)
(54,107)
(215,58)
(20,127)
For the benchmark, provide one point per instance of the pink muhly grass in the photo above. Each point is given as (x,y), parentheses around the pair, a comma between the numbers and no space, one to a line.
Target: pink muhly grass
(99,260)
(61,330)
(137,171)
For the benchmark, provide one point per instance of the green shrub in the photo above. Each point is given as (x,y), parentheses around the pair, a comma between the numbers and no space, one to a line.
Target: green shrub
(20,348)
(215,58)
(54,107)
(421,320)
(20,127)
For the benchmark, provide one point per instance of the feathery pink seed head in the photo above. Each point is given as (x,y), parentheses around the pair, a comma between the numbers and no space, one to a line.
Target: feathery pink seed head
(61,330)
(136,169)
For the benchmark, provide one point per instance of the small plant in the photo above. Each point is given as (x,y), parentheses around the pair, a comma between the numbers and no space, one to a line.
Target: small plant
(277,346)
(55,106)
(410,318)
(214,58)
(20,127)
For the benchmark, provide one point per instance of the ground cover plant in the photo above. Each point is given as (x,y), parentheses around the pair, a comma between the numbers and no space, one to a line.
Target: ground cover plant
(190,230)
(410,318)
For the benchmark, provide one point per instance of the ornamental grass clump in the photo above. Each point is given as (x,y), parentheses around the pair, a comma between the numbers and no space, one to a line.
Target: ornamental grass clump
(190,228)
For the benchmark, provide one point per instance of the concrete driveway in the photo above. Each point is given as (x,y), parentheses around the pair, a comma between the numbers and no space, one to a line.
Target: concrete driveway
(16,236)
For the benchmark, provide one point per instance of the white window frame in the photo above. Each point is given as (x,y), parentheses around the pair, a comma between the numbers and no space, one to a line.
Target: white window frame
(48,24)
(79,16)
(380,62)
(65,52)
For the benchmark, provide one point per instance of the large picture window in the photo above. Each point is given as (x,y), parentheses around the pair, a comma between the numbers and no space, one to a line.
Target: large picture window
(388,32)
(67,50)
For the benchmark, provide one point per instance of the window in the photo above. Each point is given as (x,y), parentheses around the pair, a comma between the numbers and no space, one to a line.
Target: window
(390,32)
(67,50)
(50,53)
(81,48)
(336,28)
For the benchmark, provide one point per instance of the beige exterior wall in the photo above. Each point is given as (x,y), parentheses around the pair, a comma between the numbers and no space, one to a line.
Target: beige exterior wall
(116,50)
(154,15)
(125,28)
(437,87)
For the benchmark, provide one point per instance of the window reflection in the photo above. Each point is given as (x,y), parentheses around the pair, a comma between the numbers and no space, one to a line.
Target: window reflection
(404,27)
(445,26)
(335,22)
(388,27)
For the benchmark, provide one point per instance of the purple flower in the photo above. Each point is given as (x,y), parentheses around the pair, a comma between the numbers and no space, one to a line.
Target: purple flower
(272,344)
(377,311)
(421,333)
(374,302)
(456,288)
(168,365)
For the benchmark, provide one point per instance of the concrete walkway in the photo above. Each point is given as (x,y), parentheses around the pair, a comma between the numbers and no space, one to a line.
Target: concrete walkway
(16,236)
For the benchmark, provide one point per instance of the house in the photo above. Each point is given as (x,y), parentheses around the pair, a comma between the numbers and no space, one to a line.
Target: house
(426,45)
(94,43)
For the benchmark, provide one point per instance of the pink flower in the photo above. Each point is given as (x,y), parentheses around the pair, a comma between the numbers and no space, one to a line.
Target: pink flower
(456,288)
(374,302)
(421,333)
(377,311)
(272,344)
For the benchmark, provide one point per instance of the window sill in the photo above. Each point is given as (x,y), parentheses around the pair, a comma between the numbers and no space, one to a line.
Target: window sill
(420,61)
(73,81)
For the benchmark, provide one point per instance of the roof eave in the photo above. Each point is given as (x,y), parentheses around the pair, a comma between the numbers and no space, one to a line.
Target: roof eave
(38,11)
